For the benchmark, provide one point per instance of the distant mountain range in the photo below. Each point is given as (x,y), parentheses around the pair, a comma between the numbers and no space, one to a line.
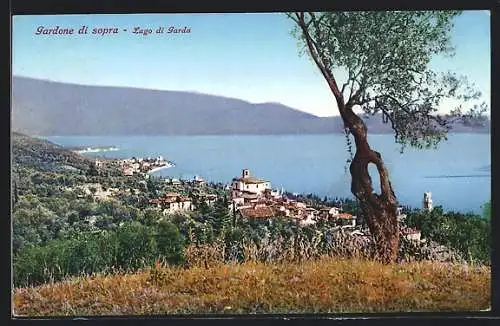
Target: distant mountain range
(45,108)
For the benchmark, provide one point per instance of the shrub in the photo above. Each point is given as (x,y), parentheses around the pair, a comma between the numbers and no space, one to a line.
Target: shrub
(84,254)
(170,243)
(469,234)
(137,246)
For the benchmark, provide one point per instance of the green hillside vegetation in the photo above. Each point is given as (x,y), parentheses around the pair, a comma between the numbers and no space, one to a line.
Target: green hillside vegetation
(44,155)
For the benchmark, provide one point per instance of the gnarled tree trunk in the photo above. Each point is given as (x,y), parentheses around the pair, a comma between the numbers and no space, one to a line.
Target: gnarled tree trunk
(380,210)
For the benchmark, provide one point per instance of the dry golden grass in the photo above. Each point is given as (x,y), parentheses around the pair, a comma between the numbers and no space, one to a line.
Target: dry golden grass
(325,285)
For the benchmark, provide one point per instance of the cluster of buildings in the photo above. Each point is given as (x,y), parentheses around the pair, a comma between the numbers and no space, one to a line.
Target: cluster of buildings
(173,202)
(254,198)
(196,181)
(143,165)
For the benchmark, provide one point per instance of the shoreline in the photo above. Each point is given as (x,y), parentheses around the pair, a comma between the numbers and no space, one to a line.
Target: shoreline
(96,150)
(156,169)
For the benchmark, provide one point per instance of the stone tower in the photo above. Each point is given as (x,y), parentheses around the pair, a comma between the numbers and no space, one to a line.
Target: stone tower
(428,201)
(246,173)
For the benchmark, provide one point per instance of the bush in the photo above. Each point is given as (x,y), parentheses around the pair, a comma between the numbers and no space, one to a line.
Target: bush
(84,254)
(129,247)
(137,246)
(469,234)
(487,211)
(170,243)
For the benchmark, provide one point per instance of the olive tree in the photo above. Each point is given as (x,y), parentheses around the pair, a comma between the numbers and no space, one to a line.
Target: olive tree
(386,57)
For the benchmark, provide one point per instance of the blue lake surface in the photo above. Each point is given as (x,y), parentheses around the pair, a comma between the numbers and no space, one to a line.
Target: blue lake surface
(457,173)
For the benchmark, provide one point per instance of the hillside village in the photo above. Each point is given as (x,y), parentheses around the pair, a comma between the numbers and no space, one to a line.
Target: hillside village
(136,166)
(254,198)
(249,198)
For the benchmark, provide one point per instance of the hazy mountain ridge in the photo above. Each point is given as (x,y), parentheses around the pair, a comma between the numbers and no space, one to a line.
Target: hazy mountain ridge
(42,107)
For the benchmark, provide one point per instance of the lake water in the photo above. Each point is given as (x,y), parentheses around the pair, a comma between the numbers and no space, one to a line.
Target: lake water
(457,173)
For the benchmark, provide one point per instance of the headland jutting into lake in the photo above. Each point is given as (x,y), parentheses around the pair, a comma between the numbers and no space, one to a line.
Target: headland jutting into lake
(93,149)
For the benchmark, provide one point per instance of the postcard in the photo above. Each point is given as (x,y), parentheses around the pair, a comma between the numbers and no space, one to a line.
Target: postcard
(251,163)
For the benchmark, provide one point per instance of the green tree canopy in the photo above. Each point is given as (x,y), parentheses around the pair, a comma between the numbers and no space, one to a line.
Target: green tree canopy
(386,56)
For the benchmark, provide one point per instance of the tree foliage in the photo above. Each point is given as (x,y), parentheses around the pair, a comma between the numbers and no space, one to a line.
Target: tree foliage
(469,234)
(487,211)
(386,57)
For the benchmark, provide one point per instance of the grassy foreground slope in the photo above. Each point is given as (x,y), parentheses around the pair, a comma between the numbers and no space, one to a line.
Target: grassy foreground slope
(326,285)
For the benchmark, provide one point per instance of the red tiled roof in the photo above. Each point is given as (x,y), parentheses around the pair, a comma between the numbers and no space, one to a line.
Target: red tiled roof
(263,201)
(169,199)
(408,231)
(260,212)
(250,180)
(344,216)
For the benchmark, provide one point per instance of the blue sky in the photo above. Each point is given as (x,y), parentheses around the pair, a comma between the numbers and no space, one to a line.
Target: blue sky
(247,56)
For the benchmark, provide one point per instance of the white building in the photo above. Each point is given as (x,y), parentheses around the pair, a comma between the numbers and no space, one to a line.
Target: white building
(330,212)
(183,205)
(173,202)
(238,201)
(198,180)
(400,216)
(412,234)
(309,220)
(272,193)
(284,210)
(428,201)
(248,184)
(349,219)
(128,171)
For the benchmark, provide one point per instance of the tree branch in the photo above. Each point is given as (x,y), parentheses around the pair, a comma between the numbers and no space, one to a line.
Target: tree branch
(404,107)
(292,18)
(354,99)
(391,119)
(315,56)
(349,72)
